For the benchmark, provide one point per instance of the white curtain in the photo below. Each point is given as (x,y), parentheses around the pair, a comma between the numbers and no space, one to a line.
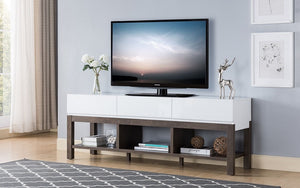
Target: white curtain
(33,65)
(23,98)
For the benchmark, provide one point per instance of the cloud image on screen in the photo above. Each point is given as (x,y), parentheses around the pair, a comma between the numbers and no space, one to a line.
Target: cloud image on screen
(159,52)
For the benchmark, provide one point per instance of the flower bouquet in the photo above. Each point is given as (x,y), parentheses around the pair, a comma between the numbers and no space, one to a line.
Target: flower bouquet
(96,65)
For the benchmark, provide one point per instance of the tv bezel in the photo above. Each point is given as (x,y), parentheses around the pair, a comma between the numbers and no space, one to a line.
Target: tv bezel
(157,84)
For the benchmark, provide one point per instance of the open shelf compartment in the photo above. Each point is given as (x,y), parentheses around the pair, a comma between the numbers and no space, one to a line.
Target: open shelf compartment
(131,135)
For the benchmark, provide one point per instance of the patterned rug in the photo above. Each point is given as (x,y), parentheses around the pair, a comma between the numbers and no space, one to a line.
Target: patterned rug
(28,173)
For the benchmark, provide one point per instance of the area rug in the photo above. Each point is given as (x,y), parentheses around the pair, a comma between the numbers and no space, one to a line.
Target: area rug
(29,173)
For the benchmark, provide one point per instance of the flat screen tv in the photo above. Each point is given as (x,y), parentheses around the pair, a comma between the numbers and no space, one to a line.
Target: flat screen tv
(160,54)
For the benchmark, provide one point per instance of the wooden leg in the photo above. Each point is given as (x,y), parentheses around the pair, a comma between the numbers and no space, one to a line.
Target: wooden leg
(181,161)
(247,147)
(231,150)
(128,155)
(70,138)
(93,131)
(118,136)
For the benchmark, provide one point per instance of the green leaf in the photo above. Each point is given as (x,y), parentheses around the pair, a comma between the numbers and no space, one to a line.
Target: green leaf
(104,66)
(85,67)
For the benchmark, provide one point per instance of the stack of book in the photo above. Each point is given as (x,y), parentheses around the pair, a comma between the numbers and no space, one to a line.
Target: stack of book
(206,151)
(94,141)
(152,147)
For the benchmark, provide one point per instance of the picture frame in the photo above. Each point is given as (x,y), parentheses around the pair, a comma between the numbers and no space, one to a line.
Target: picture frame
(272,59)
(272,11)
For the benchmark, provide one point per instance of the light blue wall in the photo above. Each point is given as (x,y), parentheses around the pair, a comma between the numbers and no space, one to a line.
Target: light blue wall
(84,27)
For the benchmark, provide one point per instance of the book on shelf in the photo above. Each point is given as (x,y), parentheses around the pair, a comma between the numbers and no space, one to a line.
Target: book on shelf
(207,151)
(152,144)
(149,149)
(94,144)
(93,138)
(94,141)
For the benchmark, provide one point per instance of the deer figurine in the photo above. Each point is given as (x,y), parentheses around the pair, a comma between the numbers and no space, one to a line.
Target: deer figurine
(223,82)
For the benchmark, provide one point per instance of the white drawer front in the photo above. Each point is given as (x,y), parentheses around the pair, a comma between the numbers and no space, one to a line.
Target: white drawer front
(147,107)
(92,105)
(203,109)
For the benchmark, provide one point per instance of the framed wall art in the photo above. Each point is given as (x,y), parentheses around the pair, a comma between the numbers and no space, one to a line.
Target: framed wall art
(272,11)
(272,59)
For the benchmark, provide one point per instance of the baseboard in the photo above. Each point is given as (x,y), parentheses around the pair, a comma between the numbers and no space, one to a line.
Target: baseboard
(4,133)
(53,130)
(267,162)
(291,164)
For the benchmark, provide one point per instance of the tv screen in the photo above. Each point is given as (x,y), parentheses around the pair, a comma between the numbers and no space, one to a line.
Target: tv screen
(160,53)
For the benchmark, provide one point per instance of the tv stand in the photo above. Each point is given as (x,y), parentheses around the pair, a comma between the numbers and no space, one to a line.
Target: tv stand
(182,116)
(160,93)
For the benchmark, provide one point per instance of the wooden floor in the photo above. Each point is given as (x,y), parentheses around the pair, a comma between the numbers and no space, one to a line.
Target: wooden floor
(43,147)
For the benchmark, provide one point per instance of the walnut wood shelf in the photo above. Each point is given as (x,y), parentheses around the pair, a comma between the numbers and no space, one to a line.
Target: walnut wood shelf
(130,133)
(103,148)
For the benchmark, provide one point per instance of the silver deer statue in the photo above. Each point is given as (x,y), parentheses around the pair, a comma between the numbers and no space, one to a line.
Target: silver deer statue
(223,82)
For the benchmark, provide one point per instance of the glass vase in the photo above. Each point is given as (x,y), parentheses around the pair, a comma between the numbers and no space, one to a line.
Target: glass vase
(96,88)
(111,138)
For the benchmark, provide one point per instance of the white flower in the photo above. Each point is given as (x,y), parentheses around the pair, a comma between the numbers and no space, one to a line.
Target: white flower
(95,63)
(104,58)
(90,62)
(85,58)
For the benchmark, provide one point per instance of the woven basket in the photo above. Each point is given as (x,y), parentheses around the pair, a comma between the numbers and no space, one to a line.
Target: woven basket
(220,145)
(197,142)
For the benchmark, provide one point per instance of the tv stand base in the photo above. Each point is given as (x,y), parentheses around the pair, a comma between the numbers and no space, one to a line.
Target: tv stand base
(155,95)
(160,93)
(129,134)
